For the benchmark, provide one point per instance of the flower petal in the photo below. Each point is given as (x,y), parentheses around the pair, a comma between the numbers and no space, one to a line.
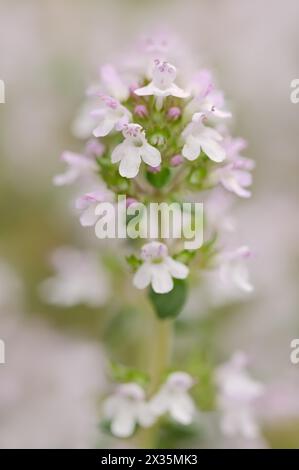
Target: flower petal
(182,408)
(142,276)
(130,163)
(68,177)
(117,153)
(178,92)
(160,402)
(123,424)
(231,184)
(241,277)
(145,90)
(88,217)
(103,128)
(213,150)
(161,279)
(191,149)
(146,417)
(150,155)
(177,269)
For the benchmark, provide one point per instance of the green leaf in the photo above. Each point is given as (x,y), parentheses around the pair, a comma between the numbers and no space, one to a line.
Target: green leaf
(158,180)
(121,373)
(170,305)
(133,261)
(185,256)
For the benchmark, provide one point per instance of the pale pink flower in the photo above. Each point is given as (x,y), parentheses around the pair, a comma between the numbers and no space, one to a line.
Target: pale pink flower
(78,165)
(133,150)
(173,398)
(110,116)
(199,137)
(233,148)
(79,279)
(207,98)
(234,178)
(87,204)
(233,270)
(237,393)
(158,269)
(162,84)
(126,408)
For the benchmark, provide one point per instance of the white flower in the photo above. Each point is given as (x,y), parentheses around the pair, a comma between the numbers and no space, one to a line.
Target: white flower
(133,150)
(162,84)
(158,269)
(77,165)
(79,279)
(87,204)
(207,98)
(173,398)
(199,137)
(232,269)
(111,116)
(126,408)
(236,397)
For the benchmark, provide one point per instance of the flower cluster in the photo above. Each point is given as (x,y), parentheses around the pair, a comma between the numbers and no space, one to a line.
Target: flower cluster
(128,406)
(155,133)
(159,132)
(237,393)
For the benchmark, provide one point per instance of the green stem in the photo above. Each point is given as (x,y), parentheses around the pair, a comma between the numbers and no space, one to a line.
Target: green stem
(159,349)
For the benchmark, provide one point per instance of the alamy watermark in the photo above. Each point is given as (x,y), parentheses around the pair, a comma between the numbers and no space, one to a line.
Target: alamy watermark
(156,220)
(2,352)
(294,355)
(2,92)
(294,95)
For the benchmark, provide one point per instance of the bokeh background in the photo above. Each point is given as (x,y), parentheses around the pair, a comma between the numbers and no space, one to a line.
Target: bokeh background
(55,367)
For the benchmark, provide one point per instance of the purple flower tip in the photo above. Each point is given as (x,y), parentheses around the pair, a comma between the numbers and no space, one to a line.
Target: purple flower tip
(130,201)
(154,169)
(140,110)
(174,112)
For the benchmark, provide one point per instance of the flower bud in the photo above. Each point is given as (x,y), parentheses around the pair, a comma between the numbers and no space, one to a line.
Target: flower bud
(141,110)
(176,160)
(174,113)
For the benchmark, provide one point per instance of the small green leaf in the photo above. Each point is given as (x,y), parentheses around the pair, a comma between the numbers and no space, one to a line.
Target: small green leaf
(158,180)
(104,162)
(170,305)
(133,261)
(185,256)
(121,373)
